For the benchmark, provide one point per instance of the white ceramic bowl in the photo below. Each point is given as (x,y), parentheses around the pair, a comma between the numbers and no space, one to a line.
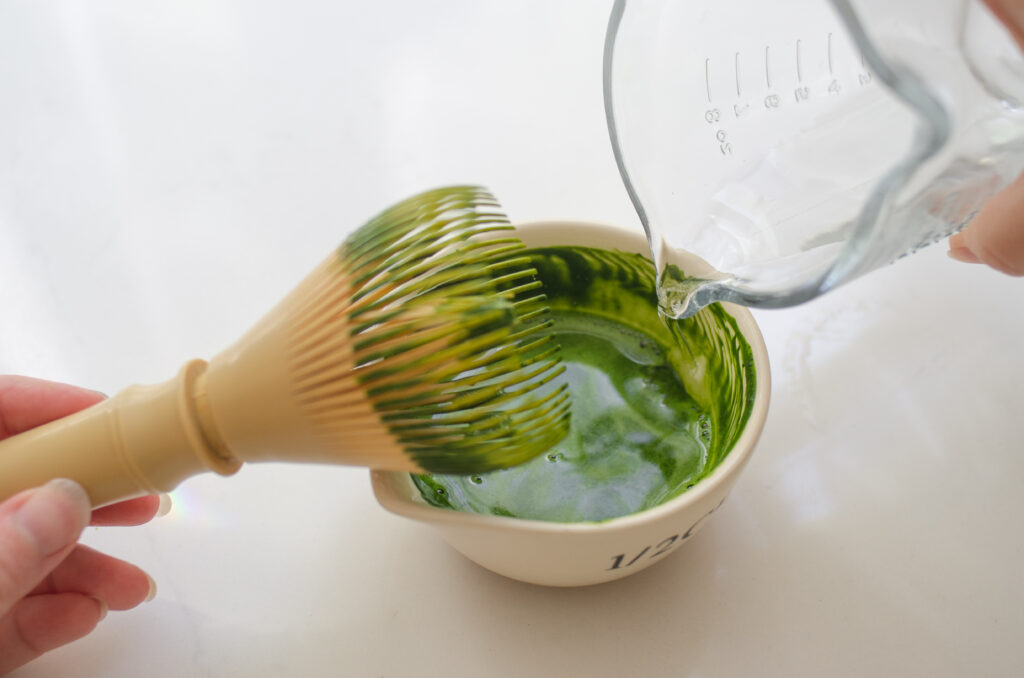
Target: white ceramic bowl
(576,554)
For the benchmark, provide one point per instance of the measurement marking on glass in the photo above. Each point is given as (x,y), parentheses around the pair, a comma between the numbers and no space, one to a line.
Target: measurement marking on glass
(799,75)
(767,72)
(830,54)
(707,79)
(736,67)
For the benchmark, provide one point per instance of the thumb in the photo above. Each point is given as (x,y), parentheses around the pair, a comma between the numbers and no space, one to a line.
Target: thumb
(38,529)
(996,236)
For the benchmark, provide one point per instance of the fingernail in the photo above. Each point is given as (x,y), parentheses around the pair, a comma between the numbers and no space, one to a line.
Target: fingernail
(103,607)
(165,506)
(152,590)
(963,254)
(41,518)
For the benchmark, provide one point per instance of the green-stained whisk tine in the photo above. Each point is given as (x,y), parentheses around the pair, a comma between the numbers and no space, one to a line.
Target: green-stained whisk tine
(437,345)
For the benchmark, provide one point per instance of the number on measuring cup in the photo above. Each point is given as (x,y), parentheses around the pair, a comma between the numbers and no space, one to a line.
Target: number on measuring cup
(723,142)
(712,115)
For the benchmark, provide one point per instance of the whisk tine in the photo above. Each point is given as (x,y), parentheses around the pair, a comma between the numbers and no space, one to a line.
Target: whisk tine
(416,278)
(430,323)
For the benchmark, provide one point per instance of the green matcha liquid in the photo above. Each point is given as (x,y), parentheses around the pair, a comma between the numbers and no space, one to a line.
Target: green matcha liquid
(656,403)
(636,437)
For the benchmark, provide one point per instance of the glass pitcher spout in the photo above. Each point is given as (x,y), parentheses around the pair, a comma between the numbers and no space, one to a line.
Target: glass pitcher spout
(772,156)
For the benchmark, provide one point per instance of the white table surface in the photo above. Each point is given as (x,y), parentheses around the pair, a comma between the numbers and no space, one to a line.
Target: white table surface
(168,170)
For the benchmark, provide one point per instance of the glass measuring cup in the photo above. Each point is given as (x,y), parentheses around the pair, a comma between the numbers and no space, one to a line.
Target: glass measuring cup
(774,151)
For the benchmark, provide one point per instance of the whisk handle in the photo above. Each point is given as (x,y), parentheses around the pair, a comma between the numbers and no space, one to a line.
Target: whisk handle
(144,440)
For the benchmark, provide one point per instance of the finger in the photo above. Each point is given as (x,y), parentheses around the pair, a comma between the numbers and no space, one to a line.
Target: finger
(1011,13)
(120,585)
(41,623)
(132,512)
(38,528)
(26,402)
(996,236)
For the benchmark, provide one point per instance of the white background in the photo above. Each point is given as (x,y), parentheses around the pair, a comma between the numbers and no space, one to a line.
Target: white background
(168,170)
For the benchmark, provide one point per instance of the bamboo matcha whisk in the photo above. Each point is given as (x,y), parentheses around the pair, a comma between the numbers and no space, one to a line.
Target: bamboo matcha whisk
(422,344)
